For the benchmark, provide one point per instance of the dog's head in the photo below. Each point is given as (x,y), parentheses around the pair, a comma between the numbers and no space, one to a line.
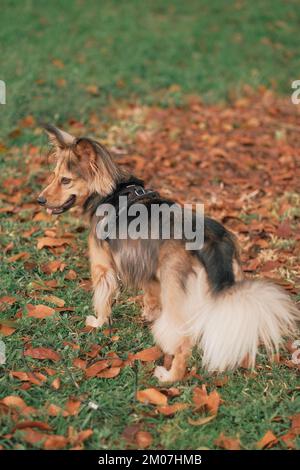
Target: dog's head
(82,167)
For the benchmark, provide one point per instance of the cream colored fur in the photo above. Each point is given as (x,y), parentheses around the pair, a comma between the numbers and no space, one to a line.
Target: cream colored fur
(228,327)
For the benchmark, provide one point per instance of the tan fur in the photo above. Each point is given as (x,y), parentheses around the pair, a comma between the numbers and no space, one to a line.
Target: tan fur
(104,281)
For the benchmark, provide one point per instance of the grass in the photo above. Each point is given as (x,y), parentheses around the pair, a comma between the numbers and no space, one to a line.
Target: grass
(156,51)
(64,61)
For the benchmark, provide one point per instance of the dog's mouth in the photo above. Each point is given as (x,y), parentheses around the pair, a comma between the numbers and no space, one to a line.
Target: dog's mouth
(64,207)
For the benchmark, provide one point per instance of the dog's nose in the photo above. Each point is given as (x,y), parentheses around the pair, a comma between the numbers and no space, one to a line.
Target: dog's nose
(41,200)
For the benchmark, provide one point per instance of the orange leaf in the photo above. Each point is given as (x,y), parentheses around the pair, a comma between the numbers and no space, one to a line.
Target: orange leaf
(201,421)
(72,407)
(39,311)
(93,370)
(6,330)
(54,300)
(143,439)
(55,442)
(267,441)
(24,255)
(50,242)
(148,355)
(13,401)
(168,410)
(55,410)
(51,267)
(32,436)
(84,435)
(56,383)
(33,424)
(227,443)
(80,363)
(42,353)
(151,395)
(109,373)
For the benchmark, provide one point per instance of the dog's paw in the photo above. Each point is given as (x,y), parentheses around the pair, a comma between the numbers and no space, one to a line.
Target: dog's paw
(150,314)
(93,321)
(162,374)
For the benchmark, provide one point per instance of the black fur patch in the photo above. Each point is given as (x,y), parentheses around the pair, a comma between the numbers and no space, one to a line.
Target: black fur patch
(217,255)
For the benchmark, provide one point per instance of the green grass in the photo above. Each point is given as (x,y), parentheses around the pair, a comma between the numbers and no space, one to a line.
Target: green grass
(158,51)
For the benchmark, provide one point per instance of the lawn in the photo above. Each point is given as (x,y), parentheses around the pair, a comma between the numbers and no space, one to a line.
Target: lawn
(130,75)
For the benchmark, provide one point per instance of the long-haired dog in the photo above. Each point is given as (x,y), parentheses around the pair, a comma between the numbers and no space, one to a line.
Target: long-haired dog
(192,297)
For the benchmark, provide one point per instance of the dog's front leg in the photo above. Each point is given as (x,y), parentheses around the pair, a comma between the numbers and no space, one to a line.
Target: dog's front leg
(152,304)
(104,282)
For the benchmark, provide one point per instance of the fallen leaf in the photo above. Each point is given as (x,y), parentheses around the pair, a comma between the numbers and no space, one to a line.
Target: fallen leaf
(227,443)
(143,439)
(151,395)
(109,373)
(93,370)
(51,242)
(168,410)
(13,401)
(39,311)
(201,421)
(149,354)
(42,353)
(267,441)
(55,442)
(33,424)
(72,407)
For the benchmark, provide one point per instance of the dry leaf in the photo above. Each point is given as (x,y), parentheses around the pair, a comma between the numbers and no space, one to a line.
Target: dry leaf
(42,353)
(168,410)
(227,443)
(143,439)
(267,441)
(151,395)
(39,311)
(55,442)
(93,370)
(149,354)
(109,373)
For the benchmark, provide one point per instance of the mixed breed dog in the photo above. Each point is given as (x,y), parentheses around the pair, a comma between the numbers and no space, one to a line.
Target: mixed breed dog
(196,297)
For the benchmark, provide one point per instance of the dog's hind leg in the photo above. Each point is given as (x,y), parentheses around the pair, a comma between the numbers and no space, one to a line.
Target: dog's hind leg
(152,303)
(178,367)
(104,282)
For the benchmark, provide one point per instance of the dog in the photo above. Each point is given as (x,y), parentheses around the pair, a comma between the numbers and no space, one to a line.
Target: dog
(191,297)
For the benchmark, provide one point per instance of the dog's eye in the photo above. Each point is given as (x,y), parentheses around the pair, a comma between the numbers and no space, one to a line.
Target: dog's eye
(65,180)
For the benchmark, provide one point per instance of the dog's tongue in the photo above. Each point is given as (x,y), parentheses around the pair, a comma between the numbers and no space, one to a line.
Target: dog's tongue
(49,211)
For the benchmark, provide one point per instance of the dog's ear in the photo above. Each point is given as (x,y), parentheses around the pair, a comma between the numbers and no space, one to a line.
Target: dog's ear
(85,149)
(58,138)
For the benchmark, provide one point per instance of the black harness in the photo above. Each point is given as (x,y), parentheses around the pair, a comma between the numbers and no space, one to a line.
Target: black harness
(133,189)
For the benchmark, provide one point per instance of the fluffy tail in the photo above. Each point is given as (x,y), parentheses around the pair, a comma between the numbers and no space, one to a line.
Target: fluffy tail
(232,324)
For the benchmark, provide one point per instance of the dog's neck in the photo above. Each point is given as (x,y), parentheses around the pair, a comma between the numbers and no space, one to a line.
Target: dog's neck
(95,199)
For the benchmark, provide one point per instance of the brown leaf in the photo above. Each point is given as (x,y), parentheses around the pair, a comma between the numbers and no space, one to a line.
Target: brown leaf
(7,300)
(39,311)
(72,407)
(55,442)
(50,242)
(80,363)
(24,255)
(94,370)
(6,330)
(13,401)
(71,275)
(201,421)
(31,436)
(55,410)
(54,300)
(110,373)
(296,423)
(227,443)
(153,396)
(51,267)
(42,353)
(267,441)
(143,439)
(33,424)
(84,435)
(148,355)
(168,410)
(55,383)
